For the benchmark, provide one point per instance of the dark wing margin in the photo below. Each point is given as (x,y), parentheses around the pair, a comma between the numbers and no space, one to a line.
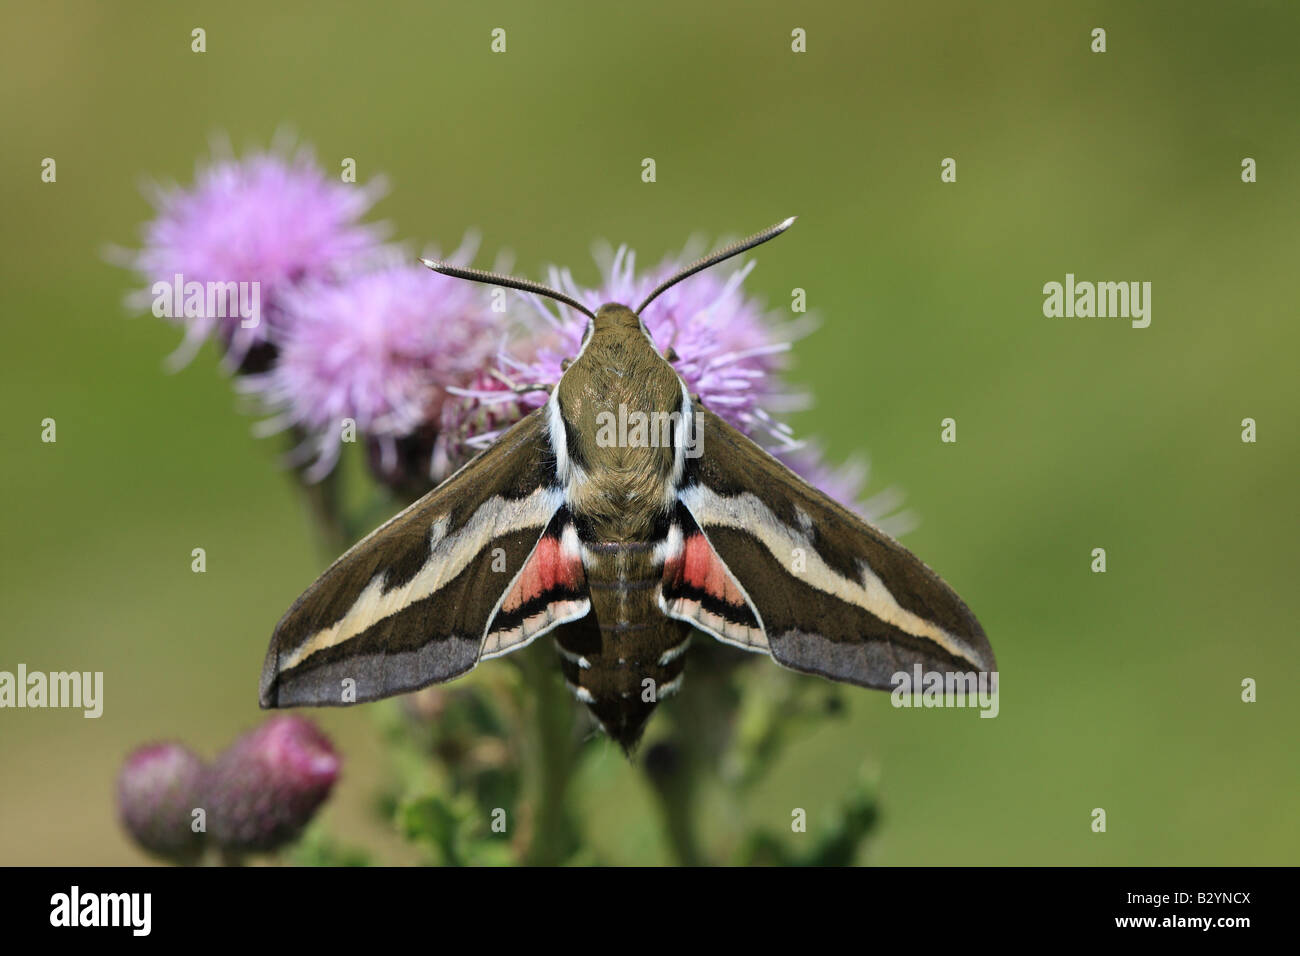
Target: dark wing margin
(410,604)
(836,596)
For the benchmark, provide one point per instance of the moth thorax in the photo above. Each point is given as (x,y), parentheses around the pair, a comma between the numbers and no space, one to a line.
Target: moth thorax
(621,406)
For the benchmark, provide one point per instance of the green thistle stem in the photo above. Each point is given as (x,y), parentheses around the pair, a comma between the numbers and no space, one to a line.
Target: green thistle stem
(550,759)
(676,792)
(325,503)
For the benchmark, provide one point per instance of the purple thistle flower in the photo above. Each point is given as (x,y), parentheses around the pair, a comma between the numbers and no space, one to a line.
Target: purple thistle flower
(268,785)
(846,484)
(273,218)
(466,419)
(729,348)
(158,789)
(381,349)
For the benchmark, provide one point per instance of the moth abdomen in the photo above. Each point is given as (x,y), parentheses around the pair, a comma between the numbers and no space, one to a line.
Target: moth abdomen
(621,671)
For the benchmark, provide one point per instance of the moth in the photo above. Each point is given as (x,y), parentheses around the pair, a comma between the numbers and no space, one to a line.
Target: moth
(621,549)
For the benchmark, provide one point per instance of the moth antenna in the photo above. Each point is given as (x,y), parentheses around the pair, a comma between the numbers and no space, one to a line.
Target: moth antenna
(510,282)
(735,249)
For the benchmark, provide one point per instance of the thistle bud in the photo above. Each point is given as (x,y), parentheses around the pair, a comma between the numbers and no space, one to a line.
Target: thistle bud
(158,789)
(268,785)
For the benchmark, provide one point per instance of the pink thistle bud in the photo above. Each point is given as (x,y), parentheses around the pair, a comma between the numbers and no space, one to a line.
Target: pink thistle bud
(268,785)
(158,790)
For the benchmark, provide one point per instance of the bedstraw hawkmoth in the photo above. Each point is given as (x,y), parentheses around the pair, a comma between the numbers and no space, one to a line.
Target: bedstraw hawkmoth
(621,550)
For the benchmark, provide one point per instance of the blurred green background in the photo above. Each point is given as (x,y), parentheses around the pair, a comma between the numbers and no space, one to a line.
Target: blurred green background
(1120,690)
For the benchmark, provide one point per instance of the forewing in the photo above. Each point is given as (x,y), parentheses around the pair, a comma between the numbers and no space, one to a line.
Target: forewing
(410,604)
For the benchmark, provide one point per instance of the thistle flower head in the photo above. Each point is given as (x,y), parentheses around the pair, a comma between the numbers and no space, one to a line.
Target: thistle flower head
(467,419)
(268,785)
(275,218)
(381,349)
(158,789)
(728,348)
(847,484)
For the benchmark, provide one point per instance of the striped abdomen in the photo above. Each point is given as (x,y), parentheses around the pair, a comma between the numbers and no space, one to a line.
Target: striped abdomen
(626,655)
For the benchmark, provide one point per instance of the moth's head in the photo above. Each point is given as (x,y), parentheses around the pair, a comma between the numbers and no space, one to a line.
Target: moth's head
(611,314)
